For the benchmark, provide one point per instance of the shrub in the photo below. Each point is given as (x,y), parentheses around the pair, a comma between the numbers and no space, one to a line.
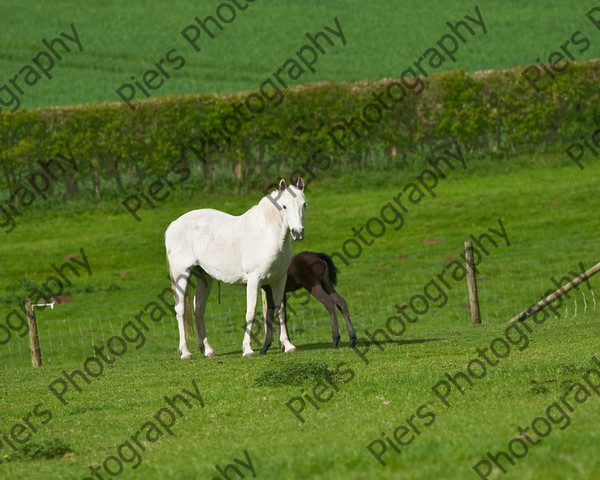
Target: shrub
(117,149)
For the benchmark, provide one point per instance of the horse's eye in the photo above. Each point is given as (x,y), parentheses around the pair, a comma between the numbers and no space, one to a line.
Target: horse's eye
(284,207)
(304,205)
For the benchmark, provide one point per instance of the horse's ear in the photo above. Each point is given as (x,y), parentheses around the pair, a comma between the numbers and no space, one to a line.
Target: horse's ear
(282,185)
(300,183)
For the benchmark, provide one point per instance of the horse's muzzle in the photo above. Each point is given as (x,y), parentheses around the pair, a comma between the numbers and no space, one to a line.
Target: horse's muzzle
(297,234)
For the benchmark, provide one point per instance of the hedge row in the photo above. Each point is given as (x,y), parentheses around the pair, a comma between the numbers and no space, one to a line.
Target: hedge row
(118,148)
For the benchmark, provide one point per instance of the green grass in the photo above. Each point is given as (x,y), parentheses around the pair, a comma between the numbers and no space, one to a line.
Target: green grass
(548,212)
(546,204)
(383,39)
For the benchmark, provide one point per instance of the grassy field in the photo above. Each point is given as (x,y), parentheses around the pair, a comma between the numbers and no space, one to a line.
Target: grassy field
(120,40)
(546,212)
(239,411)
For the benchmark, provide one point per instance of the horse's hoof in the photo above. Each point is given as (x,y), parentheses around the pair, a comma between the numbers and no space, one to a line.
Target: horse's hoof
(291,349)
(334,345)
(186,356)
(248,353)
(211,353)
(352,342)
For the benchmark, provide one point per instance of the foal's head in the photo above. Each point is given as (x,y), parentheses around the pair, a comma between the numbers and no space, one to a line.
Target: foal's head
(291,203)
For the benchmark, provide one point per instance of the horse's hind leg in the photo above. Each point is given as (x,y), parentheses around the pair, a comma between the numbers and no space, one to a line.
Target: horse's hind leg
(202,293)
(341,304)
(179,284)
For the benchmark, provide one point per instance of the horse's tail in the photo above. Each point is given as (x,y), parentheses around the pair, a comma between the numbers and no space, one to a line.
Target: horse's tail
(330,266)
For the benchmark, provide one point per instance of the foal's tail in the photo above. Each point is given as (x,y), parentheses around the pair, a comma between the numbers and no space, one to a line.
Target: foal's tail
(330,266)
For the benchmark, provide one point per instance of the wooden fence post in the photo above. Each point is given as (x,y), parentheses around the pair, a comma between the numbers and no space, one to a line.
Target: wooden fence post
(34,341)
(472,284)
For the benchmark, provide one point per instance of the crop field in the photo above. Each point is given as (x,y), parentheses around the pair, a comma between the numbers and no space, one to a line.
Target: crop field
(119,41)
(425,394)
(550,231)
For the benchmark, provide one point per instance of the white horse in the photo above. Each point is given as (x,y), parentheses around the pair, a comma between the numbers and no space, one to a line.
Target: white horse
(253,249)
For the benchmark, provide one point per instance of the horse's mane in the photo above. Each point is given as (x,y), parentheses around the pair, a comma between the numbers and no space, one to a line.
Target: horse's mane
(268,209)
(267,205)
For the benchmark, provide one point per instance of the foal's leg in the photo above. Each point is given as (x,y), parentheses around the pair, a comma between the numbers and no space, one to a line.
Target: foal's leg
(341,304)
(278,294)
(179,281)
(251,295)
(202,293)
(322,296)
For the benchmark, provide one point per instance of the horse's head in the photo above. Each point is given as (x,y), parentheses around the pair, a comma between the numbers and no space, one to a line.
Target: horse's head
(292,203)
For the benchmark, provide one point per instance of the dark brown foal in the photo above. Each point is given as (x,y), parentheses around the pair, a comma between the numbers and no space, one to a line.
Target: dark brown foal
(316,273)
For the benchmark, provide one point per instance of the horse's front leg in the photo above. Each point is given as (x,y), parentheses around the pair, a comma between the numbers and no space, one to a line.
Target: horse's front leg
(268,299)
(251,296)
(278,293)
(202,293)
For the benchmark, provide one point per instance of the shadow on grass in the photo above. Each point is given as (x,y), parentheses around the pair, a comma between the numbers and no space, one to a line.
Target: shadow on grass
(342,345)
(327,346)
